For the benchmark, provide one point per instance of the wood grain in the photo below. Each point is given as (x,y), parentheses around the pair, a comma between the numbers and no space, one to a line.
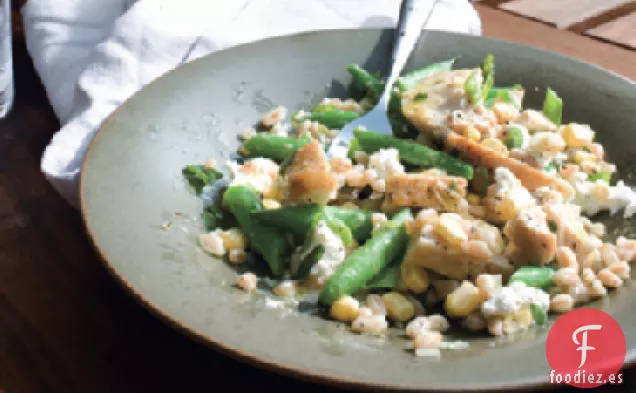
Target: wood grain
(500,24)
(621,30)
(67,327)
(561,13)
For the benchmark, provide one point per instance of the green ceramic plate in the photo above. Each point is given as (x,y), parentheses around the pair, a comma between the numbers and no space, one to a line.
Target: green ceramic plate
(132,189)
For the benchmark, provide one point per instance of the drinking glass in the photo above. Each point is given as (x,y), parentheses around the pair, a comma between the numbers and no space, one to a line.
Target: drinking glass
(6,59)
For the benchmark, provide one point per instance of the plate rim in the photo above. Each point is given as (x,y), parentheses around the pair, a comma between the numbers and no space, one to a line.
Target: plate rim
(532,383)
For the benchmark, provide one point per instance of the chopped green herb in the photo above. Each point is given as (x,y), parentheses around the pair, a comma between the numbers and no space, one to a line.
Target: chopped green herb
(533,276)
(473,90)
(488,67)
(514,137)
(604,176)
(553,107)
(421,96)
(553,226)
(453,186)
(389,278)
(200,176)
(551,168)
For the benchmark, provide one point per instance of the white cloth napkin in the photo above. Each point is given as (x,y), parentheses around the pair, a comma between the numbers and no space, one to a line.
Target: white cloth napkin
(92,55)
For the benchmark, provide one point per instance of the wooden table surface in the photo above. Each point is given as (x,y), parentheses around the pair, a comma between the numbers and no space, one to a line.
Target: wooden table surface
(65,324)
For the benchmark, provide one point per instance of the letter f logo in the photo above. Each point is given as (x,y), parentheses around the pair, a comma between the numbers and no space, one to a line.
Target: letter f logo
(583,344)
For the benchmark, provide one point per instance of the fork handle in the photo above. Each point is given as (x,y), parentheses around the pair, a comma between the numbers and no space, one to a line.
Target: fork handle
(413,17)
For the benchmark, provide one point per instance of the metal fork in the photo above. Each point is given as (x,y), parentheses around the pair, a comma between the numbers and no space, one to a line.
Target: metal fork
(410,24)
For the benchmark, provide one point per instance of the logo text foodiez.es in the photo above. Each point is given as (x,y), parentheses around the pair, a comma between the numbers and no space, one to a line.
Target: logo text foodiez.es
(586,348)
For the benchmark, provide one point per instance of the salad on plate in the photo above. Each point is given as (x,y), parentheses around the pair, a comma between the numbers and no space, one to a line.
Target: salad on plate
(478,213)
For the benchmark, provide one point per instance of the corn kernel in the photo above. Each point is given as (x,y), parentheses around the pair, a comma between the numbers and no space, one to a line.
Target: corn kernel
(577,135)
(345,309)
(449,230)
(471,133)
(234,239)
(463,300)
(415,278)
(398,307)
(488,284)
(473,199)
(271,204)
(581,156)
(494,144)
(523,318)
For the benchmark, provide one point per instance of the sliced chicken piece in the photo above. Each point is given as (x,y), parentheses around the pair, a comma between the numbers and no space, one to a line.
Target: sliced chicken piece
(482,156)
(309,157)
(534,242)
(444,193)
(308,177)
(430,103)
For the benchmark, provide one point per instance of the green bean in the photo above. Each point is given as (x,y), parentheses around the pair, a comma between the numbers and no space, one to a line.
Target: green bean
(473,90)
(553,107)
(539,314)
(304,267)
(298,220)
(330,118)
(538,277)
(365,80)
(604,176)
(414,153)
(274,147)
(214,217)
(385,246)
(271,243)
(411,78)
(359,221)
(341,230)
(354,147)
(200,176)
(388,278)
(514,137)
(324,108)
(488,68)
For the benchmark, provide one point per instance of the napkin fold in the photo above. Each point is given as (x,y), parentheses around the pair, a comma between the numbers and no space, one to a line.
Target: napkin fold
(92,55)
